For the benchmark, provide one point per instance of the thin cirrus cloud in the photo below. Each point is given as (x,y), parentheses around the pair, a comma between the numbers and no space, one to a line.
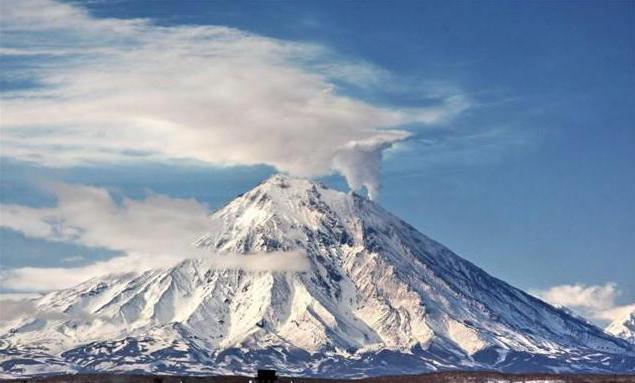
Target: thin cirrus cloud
(595,302)
(112,90)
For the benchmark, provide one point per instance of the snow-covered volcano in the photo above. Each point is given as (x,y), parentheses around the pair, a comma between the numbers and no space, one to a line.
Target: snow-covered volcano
(374,297)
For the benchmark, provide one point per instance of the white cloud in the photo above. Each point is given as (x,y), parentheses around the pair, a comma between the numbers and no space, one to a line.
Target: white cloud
(594,297)
(13,308)
(291,261)
(4,297)
(155,232)
(55,278)
(17,305)
(595,302)
(123,90)
(91,217)
(617,312)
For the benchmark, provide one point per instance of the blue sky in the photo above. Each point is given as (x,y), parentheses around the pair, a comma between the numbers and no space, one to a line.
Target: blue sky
(512,124)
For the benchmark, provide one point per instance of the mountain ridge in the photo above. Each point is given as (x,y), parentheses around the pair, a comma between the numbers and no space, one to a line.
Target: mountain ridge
(377,297)
(624,327)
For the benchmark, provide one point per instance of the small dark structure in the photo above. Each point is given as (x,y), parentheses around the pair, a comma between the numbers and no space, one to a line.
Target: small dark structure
(266,376)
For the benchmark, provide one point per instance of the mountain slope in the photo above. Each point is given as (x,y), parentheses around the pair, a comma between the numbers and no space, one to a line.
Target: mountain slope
(624,327)
(376,297)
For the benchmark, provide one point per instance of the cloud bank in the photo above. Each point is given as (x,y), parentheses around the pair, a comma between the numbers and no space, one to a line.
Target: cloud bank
(112,90)
(595,302)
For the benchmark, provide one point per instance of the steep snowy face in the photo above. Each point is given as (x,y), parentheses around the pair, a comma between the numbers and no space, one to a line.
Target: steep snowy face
(375,297)
(378,282)
(624,327)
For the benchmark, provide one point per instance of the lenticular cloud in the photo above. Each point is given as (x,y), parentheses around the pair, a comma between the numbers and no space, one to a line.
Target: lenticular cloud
(112,90)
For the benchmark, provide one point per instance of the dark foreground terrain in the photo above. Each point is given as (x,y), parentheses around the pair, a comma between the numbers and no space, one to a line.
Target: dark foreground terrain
(442,377)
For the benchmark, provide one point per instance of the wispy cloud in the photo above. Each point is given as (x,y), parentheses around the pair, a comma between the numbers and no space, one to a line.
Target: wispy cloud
(54,278)
(123,90)
(279,261)
(595,302)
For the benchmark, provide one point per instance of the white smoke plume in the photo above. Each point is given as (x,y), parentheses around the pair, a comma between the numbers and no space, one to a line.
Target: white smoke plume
(115,90)
(359,162)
